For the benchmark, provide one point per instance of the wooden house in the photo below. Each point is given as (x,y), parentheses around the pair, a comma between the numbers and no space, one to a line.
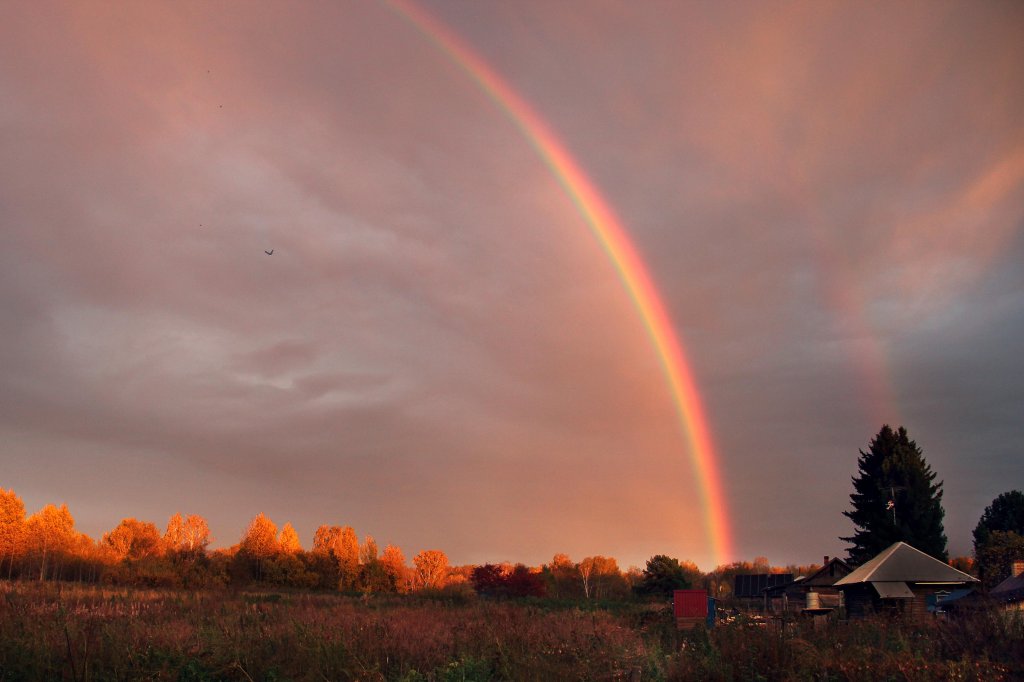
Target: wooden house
(814,592)
(899,581)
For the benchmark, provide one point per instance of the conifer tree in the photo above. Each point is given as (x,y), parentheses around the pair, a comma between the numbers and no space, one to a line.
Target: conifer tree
(894,499)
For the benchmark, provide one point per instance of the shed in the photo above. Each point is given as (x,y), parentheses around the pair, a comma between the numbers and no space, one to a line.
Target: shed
(1010,592)
(899,580)
(692,607)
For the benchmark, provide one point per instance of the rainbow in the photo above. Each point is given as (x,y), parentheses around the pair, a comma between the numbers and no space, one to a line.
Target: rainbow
(608,230)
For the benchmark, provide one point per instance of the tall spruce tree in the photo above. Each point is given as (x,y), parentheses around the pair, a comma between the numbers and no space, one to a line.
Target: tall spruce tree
(894,499)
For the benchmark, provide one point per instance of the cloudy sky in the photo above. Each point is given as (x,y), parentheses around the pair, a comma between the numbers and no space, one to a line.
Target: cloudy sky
(828,197)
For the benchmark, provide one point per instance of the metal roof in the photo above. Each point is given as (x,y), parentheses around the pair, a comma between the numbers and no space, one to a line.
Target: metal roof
(902,563)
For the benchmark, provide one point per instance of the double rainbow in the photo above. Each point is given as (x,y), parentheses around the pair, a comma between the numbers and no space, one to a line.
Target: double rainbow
(608,230)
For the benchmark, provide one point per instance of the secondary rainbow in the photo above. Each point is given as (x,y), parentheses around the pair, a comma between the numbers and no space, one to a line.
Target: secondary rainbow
(608,230)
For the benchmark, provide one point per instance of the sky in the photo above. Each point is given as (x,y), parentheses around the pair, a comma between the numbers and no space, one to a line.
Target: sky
(827,197)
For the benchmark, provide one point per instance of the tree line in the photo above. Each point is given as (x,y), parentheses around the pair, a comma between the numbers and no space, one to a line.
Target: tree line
(895,498)
(46,546)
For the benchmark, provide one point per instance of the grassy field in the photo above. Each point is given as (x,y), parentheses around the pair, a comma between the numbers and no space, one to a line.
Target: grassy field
(71,632)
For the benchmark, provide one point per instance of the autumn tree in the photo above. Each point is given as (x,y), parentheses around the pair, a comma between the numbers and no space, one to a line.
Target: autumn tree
(289,540)
(259,542)
(392,561)
(999,537)
(174,533)
(12,529)
(497,580)
(346,551)
(50,537)
(196,534)
(563,579)
(430,569)
(488,579)
(185,542)
(133,539)
(368,552)
(523,581)
(373,576)
(600,576)
(895,499)
(341,545)
(322,558)
(324,539)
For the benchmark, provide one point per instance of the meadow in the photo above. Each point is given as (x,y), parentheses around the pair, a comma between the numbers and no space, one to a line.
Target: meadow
(64,631)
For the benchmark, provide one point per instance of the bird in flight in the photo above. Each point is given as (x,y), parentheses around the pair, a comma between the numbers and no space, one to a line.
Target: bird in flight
(269,253)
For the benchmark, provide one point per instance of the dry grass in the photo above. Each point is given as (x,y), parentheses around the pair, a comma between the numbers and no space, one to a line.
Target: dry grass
(62,632)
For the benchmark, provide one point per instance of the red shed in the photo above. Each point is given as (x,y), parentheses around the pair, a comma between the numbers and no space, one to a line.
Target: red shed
(690,607)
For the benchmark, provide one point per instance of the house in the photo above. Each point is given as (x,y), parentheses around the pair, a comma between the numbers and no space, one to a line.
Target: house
(816,591)
(1010,592)
(899,580)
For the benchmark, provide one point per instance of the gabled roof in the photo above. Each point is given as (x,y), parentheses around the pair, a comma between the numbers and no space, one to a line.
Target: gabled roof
(824,577)
(902,563)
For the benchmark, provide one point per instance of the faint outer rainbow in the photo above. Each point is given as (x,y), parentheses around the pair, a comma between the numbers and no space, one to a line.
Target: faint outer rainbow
(609,231)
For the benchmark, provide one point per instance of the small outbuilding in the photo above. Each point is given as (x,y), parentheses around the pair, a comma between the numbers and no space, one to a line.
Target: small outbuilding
(1010,592)
(814,592)
(692,607)
(749,588)
(900,580)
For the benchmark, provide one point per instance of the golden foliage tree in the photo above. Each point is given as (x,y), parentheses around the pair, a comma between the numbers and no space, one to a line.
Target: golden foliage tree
(347,553)
(189,535)
(563,578)
(393,562)
(50,537)
(133,539)
(12,529)
(341,544)
(325,538)
(195,534)
(175,532)
(289,540)
(600,575)
(259,542)
(368,552)
(324,563)
(431,569)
